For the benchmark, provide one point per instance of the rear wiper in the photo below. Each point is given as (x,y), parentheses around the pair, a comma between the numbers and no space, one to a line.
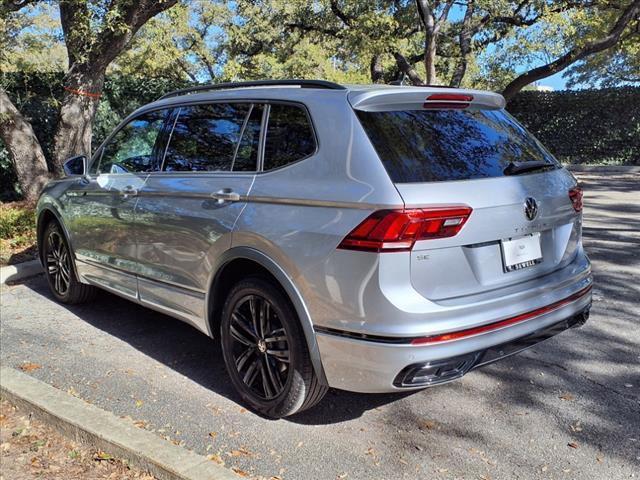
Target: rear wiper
(516,168)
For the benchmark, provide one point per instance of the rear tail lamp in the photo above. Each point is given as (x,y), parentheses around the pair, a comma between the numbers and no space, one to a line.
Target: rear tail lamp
(398,230)
(575,195)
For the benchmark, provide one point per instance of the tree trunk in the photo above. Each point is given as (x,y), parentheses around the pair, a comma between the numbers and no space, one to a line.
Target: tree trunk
(24,149)
(465,46)
(75,121)
(430,59)
(377,72)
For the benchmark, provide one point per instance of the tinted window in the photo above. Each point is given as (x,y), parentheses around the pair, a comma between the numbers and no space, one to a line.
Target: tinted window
(247,155)
(132,148)
(289,136)
(438,145)
(204,138)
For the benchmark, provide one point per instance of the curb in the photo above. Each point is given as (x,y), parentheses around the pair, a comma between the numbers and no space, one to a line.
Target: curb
(14,273)
(97,428)
(603,168)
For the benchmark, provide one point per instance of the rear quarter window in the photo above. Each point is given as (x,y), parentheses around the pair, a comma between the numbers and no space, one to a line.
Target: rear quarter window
(289,136)
(445,145)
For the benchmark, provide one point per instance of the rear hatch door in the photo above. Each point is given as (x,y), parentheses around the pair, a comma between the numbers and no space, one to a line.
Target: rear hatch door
(467,152)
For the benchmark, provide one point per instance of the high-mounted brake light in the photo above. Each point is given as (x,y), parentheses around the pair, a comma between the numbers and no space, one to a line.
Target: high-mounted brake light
(450,97)
(575,195)
(398,230)
(448,100)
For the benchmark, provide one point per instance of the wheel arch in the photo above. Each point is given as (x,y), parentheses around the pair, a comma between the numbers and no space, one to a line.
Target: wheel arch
(239,261)
(45,216)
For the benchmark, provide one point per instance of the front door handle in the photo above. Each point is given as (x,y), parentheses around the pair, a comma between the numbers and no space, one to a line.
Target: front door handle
(226,195)
(130,191)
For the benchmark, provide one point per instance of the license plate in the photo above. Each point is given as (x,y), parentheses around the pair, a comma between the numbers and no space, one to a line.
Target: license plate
(521,252)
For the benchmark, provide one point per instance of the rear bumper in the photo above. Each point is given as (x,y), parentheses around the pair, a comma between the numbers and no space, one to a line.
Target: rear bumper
(362,365)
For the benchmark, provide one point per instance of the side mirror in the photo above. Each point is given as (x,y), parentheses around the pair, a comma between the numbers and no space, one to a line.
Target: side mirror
(76,166)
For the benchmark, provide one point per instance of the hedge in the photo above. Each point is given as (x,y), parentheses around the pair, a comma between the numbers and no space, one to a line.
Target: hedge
(584,126)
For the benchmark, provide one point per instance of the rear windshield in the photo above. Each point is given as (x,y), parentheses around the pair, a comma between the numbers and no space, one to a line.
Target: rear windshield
(443,145)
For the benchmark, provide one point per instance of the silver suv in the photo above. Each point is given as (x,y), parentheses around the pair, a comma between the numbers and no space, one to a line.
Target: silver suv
(367,238)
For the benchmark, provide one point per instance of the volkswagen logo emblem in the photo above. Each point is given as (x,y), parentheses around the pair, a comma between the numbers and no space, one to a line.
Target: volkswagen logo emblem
(530,208)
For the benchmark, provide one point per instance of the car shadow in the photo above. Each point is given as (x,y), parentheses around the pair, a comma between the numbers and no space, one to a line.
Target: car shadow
(191,353)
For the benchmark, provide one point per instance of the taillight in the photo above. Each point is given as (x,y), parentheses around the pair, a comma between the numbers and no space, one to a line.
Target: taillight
(398,230)
(575,195)
(448,100)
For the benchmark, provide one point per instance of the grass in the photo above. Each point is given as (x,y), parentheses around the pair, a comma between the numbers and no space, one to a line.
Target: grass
(17,233)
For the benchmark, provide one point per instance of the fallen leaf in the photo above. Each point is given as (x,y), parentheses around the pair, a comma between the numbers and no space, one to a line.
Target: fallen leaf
(140,423)
(100,456)
(213,434)
(567,396)
(216,458)
(576,427)
(139,403)
(572,444)
(428,424)
(242,473)
(300,444)
(29,367)
(240,452)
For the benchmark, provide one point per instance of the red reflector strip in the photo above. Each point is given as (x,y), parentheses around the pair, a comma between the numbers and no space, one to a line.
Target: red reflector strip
(445,105)
(469,332)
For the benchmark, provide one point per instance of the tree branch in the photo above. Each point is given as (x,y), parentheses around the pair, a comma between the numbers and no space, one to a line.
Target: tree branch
(575,54)
(406,68)
(8,6)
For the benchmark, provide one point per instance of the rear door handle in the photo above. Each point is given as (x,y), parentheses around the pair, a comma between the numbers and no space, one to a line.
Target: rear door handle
(130,191)
(226,195)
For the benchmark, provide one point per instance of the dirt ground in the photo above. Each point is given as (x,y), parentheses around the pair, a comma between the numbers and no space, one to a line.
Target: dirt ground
(30,449)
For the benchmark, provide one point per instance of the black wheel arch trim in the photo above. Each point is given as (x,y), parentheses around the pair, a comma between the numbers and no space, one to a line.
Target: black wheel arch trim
(49,208)
(249,253)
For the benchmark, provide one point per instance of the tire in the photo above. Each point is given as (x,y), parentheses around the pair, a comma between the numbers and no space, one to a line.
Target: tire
(268,360)
(59,270)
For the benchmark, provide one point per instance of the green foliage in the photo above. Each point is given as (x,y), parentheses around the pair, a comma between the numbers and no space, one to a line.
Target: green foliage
(16,221)
(584,126)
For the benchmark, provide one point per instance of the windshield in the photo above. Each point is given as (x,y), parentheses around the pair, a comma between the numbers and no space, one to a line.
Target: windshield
(444,145)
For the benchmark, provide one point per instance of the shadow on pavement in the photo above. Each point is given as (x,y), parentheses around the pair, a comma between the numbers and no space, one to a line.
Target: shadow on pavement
(191,353)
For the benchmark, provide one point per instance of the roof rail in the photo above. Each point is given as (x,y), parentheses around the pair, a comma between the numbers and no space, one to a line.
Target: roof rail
(256,83)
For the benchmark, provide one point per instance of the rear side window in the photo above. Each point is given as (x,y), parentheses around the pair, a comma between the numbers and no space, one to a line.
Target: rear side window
(246,159)
(289,136)
(443,145)
(205,137)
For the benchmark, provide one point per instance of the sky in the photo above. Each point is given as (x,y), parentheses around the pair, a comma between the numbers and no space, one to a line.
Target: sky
(554,81)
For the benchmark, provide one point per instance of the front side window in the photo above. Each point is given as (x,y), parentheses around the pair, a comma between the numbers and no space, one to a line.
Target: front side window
(132,148)
(289,136)
(205,137)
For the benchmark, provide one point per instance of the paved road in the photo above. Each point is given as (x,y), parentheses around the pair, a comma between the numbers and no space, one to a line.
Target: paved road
(569,408)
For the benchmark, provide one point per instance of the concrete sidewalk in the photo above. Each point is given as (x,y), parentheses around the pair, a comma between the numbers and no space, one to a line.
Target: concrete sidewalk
(91,426)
